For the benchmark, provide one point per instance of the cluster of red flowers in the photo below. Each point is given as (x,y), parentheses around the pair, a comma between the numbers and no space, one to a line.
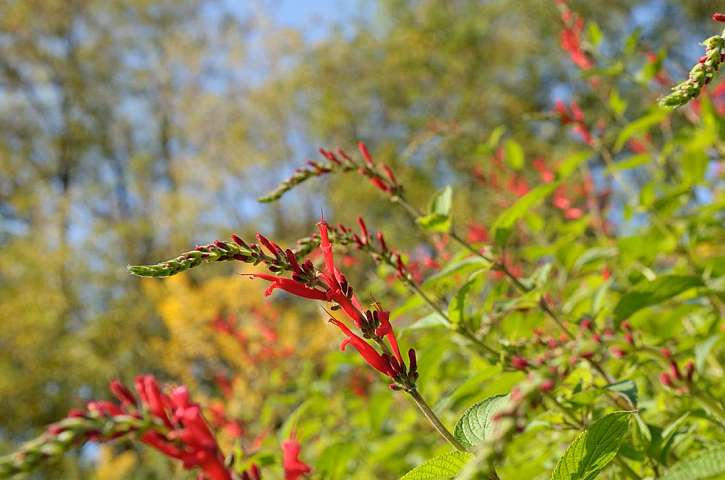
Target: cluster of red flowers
(573,115)
(384,181)
(674,377)
(331,285)
(178,428)
(590,343)
(570,37)
(168,421)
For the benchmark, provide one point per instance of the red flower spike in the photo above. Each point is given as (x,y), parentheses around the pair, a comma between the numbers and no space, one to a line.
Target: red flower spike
(369,354)
(294,468)
(719,17)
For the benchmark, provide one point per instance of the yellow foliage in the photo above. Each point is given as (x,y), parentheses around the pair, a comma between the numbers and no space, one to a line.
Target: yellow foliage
(114,466)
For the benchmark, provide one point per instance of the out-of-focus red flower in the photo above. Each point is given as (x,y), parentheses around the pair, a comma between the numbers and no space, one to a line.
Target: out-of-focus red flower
(570,37)
(518,186)
(573,115)
(545,173)
(294,468)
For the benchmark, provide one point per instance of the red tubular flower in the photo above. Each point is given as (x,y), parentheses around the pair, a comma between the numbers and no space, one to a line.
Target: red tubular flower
(719,17)
(386,330)
(294,468)
(369,354)
(290,286)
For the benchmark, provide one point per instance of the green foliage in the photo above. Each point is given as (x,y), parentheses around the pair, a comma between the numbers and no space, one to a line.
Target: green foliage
(593,449)
(709,464)
(477,423)
(134,130)
(442,467)
(653,293)
(438,218)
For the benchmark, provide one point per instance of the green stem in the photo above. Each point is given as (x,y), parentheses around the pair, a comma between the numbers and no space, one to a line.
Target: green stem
(434,420)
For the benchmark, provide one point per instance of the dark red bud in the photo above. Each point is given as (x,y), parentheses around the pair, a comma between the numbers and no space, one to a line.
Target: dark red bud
(718,17)
(519,363)
(412,361)
(666,380)
(547,385)
(381,239)
(675,370)
(689,370)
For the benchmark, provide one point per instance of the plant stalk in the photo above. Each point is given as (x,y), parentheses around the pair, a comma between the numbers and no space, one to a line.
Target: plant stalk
(434,420)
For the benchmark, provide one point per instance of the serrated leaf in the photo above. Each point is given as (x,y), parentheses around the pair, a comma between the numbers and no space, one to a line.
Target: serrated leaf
(593,449)
(442,467)
(477,422)
(709,464)
(651,293)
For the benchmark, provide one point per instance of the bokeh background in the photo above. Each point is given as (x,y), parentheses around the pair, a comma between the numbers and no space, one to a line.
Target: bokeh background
(131,130)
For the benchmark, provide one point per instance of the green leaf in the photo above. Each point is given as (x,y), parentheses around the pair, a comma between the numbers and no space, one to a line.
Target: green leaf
(704,465)
(477,422)
(442,201)
(593,449)
(438,218)
(627,388)
(641,125)
(702,350)
(429,321)
(651,293)
(506,219)
(616,103)
(456,309)
(571,163)
(514,155)
(463,267)
(442,467)
(594,34)
(523,205)
(632,162)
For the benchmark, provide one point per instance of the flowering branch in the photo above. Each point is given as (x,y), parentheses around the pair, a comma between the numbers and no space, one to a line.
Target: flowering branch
(702,73)
(168,422)
(381,176)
